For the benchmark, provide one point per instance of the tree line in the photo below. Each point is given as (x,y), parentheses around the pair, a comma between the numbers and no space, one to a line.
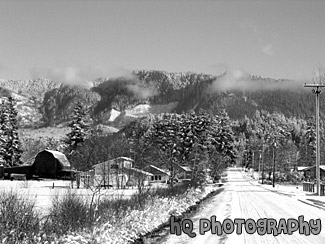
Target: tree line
(266,137)
(201,141)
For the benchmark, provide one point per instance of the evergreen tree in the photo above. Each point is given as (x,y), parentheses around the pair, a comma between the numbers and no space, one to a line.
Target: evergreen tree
(78,128)
(308,145)
(10,146)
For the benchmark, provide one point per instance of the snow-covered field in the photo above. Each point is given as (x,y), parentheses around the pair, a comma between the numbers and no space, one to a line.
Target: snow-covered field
(135,222)
(42,191)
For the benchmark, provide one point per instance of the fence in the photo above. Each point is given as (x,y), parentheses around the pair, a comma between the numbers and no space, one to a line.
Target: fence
(310,187)
(307,186)
(85,179)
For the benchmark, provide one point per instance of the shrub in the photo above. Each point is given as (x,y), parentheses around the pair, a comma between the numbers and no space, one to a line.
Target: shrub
(175,191)
(18,218)
(68,213)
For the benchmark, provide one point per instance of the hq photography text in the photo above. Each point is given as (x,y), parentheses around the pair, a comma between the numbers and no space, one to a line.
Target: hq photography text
(262,226)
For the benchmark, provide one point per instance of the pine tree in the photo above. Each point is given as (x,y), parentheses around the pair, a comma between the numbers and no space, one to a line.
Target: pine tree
(10,146)
(78,128)
(308,145)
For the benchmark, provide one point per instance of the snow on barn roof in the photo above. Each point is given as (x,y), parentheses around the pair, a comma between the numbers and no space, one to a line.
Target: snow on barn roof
(59,156)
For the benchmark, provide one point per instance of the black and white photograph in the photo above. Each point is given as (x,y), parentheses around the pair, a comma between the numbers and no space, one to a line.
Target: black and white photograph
(162,121)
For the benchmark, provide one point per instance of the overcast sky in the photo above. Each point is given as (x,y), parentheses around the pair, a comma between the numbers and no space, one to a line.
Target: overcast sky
(84,39)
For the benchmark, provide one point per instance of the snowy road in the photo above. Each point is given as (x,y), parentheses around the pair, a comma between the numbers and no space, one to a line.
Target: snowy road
(241,199)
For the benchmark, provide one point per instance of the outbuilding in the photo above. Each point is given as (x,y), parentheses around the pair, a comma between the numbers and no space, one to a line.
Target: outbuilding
(159,175)
(310,172)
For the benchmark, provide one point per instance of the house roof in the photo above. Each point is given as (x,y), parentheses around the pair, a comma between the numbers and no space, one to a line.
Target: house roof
(141,171)
(124,158)
(301,168)
(159,169)
(184,168)
(113,161)
(60,156)
(322,167)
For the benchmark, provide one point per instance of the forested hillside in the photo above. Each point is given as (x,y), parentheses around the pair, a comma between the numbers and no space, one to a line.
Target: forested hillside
(240,96)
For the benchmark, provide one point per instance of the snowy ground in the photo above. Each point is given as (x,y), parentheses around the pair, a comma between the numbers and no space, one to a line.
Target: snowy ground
(42,191)
(245,199)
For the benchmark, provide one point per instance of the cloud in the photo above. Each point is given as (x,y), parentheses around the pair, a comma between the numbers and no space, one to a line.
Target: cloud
(242,81)
(253,28)
(78,74)
(219,68)
(268,49)
(142,92)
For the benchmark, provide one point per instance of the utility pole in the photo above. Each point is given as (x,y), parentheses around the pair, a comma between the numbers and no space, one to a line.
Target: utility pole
(273,174)
(316,90)
(263,165)
(259,165)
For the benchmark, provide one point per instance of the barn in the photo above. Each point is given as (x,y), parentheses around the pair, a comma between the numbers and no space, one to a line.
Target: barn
(51,164)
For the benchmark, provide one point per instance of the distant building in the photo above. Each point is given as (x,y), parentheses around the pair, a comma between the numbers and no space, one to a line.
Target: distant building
(119,172)
(182,172)
(113,165)
(51,164)
(310,172)
(158,175)
(47,164)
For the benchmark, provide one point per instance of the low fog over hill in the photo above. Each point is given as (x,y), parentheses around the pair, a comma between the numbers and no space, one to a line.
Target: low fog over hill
(115,101)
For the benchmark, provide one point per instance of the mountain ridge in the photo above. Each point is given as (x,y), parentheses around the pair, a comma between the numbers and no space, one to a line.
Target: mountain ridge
(42,102)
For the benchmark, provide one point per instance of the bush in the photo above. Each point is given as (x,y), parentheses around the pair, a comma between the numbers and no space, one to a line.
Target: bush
(112,210)
(18,219)
(69,213)
(169,192)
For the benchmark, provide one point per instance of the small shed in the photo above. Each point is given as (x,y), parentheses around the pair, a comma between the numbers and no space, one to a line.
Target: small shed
(26,170)
(310,172)
(51,164)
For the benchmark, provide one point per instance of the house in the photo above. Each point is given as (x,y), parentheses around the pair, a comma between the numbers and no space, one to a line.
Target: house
(52,164)
(158,175)
(310,172)
(182,171)
(119,172)
(115,165)
(138,176)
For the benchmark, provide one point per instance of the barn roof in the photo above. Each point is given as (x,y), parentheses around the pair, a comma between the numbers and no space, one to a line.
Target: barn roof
(60,156)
